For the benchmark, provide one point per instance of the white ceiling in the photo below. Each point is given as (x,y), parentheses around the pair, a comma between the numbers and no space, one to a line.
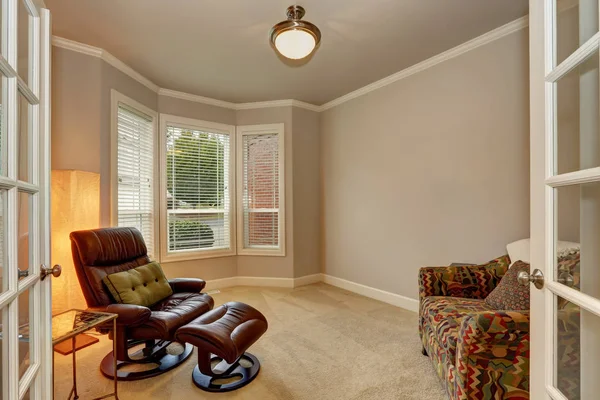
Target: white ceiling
(219,48)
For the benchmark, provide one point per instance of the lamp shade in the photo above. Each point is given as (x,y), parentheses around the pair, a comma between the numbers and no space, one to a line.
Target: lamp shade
(75,206)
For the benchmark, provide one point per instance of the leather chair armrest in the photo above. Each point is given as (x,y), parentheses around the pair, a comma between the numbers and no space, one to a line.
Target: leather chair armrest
(187,285)
(129,314)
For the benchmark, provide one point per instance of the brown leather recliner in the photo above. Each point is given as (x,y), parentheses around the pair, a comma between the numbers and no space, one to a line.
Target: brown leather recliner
(100,252)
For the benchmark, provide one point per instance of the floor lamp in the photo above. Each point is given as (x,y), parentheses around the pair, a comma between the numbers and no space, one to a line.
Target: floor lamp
(75,197)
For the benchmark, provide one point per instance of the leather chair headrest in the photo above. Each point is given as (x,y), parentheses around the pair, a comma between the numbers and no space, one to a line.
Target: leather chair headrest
(108,246)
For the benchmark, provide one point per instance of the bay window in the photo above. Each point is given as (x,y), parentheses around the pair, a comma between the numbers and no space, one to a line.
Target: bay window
(261,190)
(133,184)
(214,189)
(197,189)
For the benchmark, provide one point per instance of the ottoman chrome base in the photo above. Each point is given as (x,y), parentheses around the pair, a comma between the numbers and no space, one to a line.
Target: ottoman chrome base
(241,373)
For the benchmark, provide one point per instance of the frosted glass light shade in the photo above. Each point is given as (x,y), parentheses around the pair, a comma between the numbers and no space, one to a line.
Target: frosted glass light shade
(295,43)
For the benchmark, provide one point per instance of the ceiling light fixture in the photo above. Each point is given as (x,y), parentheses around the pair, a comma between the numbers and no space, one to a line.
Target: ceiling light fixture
(295,39)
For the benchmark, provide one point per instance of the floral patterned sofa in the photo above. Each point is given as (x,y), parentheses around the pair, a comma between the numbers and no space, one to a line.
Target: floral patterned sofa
(479,352)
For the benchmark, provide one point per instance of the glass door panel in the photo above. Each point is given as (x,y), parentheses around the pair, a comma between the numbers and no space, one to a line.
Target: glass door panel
(25,345)
(575,152)
(25,237)
(3,282)
(24,141)
(2,127)
(24,35)
(578,237)
(577,351)
(568,349)
(567,29)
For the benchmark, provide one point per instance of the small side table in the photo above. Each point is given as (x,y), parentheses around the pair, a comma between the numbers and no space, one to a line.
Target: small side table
(68,325)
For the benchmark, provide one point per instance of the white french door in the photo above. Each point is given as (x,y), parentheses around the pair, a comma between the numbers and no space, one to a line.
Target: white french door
(565,164)
(25,331)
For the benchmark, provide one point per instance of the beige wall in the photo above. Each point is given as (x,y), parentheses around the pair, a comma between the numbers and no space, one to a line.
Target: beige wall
(430,170)
(76,97)
(307,192)
(81,140)
(280,267)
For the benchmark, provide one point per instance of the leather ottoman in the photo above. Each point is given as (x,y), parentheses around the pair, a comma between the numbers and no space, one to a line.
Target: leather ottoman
(222,337)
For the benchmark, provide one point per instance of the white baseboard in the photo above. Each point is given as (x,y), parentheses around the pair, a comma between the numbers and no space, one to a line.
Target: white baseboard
(265,282)
(221,283)
(308,280)
(377,294)
(290,283)
(260,281)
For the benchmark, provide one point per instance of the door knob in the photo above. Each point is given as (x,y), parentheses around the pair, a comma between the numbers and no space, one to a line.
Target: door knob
(54,271)
(537,278)
(566,279)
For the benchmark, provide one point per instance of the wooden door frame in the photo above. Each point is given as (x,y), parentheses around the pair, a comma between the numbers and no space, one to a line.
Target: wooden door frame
(537,194)
(45,381)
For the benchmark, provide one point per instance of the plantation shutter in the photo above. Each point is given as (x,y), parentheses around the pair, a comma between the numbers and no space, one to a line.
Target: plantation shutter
(135,166)
(261,180)
(198,193)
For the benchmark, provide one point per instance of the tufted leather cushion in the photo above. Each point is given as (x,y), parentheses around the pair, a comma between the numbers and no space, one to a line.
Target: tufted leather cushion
(100,252)
(227,331)
(143,286)
(171,313)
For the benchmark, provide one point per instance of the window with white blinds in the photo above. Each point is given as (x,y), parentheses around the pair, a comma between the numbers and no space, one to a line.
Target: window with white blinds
(135,177)
(261,174)
(198,188)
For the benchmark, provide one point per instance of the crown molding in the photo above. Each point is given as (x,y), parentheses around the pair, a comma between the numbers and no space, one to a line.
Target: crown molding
(265,104)
(77,47)
(238,106)
(196,98)
(472,44)
(278,103)
(106,56)
(484,39)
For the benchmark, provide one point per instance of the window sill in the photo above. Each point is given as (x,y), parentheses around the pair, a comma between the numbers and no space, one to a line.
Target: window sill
(196,255)
(261,252)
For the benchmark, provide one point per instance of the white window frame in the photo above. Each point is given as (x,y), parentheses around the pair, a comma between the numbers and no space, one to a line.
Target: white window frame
(195,124)
(116,99)
(244,130)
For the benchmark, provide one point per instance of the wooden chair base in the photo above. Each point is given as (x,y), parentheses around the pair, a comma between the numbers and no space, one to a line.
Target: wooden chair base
(237,375)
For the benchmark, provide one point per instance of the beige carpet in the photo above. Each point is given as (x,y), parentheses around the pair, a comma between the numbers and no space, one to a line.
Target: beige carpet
(322,343)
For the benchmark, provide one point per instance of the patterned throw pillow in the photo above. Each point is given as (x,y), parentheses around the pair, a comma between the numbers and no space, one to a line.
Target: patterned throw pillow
(509,294)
